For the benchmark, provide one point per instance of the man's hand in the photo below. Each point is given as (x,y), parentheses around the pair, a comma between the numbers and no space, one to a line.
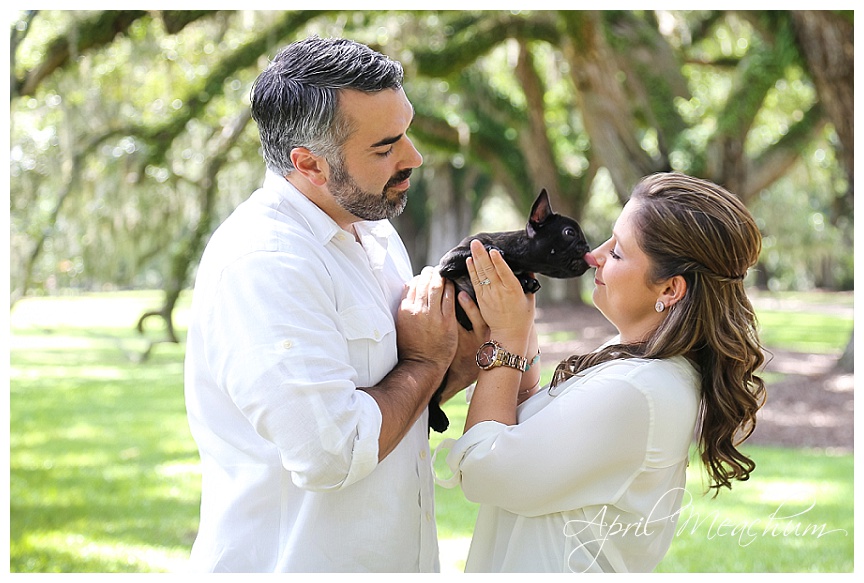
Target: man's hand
(463,370)
(426,338)
(426,327)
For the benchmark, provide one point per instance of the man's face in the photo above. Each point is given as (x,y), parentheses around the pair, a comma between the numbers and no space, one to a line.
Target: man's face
(371,180)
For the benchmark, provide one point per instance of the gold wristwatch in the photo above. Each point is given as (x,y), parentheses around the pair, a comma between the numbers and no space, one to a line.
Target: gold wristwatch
(492,354)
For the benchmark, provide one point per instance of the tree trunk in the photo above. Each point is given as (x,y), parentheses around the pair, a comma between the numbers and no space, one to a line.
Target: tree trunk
(535,142)
(827,42)
(449,213)
(602,102)
(189,250)
(826,39)
(846,362)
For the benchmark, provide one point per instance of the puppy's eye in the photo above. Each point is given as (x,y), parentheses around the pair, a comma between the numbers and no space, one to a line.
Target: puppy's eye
(569,232)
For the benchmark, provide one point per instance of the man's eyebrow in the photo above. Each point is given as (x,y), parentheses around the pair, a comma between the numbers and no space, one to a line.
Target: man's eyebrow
(387,141)
(394,139)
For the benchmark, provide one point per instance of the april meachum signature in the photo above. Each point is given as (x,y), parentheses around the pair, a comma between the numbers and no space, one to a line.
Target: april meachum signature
(777,524)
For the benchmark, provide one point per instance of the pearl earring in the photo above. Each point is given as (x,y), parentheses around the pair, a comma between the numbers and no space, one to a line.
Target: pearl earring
(659,306)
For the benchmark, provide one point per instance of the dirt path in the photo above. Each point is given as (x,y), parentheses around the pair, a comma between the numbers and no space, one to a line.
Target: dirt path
(811,406)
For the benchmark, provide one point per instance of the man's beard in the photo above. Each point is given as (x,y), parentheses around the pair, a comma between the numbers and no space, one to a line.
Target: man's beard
(368,206)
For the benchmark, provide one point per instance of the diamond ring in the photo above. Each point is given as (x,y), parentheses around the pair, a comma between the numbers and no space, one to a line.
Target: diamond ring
(484,282)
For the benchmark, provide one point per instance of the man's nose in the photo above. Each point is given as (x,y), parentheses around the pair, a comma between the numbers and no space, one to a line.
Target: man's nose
(413,157)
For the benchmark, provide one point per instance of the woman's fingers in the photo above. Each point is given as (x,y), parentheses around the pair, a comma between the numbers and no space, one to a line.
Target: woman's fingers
(489,268)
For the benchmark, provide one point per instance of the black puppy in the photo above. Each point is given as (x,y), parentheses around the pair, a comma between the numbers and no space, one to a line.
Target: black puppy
(551,244)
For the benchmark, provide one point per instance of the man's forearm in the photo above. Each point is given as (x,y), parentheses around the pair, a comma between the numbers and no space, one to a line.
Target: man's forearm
(402,396)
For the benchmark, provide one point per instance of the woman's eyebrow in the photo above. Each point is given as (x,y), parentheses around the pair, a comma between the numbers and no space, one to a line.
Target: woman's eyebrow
(617,239)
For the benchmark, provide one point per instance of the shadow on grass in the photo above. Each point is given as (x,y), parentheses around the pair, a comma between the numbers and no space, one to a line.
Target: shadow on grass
(103,471)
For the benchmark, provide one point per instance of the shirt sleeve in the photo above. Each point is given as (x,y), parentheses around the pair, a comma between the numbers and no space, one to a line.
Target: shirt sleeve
(584,448)
(276,348)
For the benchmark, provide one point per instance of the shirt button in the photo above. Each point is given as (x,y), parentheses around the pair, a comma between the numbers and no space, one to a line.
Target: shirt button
(286,344)
(428,517)
(377,335)
(422,454)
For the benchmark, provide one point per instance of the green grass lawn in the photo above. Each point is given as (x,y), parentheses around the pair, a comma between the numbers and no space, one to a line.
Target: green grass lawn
(104,475)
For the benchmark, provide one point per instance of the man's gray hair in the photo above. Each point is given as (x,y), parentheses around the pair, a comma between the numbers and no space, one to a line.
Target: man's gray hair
(295,99)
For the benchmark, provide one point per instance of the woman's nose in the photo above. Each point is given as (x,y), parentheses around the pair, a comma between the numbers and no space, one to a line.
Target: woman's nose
(599,254)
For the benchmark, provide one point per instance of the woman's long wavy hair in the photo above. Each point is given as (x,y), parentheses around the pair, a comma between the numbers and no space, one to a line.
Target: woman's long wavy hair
(696,229)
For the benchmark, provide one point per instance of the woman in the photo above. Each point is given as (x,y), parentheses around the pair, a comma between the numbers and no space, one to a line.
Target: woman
(588,474)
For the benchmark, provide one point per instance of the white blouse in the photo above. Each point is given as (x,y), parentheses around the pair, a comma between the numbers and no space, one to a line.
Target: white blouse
(590,479)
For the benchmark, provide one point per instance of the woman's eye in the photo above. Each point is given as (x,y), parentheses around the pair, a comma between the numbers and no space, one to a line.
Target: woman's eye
(613,254)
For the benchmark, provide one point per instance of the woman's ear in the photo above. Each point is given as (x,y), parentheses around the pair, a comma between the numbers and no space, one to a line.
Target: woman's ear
(312,167)
(674,290)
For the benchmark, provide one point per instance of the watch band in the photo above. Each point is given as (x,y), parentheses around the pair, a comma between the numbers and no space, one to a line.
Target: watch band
(513,360)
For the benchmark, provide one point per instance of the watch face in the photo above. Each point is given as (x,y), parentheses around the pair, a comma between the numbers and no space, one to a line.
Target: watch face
(486,355)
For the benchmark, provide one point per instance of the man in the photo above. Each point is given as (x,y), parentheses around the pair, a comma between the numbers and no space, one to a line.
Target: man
(307,373)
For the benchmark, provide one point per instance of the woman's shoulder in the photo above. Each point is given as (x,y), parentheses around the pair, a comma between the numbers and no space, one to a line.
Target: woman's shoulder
(648,367)
(645,367)
(650,376)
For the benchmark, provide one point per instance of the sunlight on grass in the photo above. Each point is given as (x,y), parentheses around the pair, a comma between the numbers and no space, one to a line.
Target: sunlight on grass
(814,333)
(104,474)
(91,310)
(56,552)
(774,522)
(795,491)
(558,336)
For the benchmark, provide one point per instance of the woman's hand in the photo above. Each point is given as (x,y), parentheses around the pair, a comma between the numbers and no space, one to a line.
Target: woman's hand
(506,308)
(509,313)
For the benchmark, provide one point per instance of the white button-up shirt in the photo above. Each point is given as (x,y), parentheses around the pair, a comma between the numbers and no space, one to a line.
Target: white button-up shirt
(592,476)
(290,315)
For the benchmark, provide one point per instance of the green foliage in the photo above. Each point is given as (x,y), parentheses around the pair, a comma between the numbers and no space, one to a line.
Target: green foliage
(108,151)
(806,242)
(468,37)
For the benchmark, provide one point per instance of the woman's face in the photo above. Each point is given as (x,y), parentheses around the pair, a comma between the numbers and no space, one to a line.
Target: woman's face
(624,292)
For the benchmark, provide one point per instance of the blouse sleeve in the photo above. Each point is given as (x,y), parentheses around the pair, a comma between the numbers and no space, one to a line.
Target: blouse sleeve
(584,448)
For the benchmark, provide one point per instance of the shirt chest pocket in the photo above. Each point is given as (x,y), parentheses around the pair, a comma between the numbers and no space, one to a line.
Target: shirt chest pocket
(371,338)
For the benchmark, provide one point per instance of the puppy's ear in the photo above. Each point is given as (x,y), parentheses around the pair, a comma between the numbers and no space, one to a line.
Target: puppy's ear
(540,211)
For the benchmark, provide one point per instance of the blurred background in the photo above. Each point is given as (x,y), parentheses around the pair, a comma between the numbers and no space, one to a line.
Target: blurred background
(131,140)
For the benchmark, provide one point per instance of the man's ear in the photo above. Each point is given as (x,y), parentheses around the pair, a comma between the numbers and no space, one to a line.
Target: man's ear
(674,290)
(312,167)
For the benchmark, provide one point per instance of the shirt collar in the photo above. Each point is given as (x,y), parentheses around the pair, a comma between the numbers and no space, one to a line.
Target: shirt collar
(320,224)
(373,235)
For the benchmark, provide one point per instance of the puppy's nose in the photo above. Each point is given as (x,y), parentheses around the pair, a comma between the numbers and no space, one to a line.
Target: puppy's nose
(590,260)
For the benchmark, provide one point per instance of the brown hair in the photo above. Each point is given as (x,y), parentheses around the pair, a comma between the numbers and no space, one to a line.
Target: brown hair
(696,229)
